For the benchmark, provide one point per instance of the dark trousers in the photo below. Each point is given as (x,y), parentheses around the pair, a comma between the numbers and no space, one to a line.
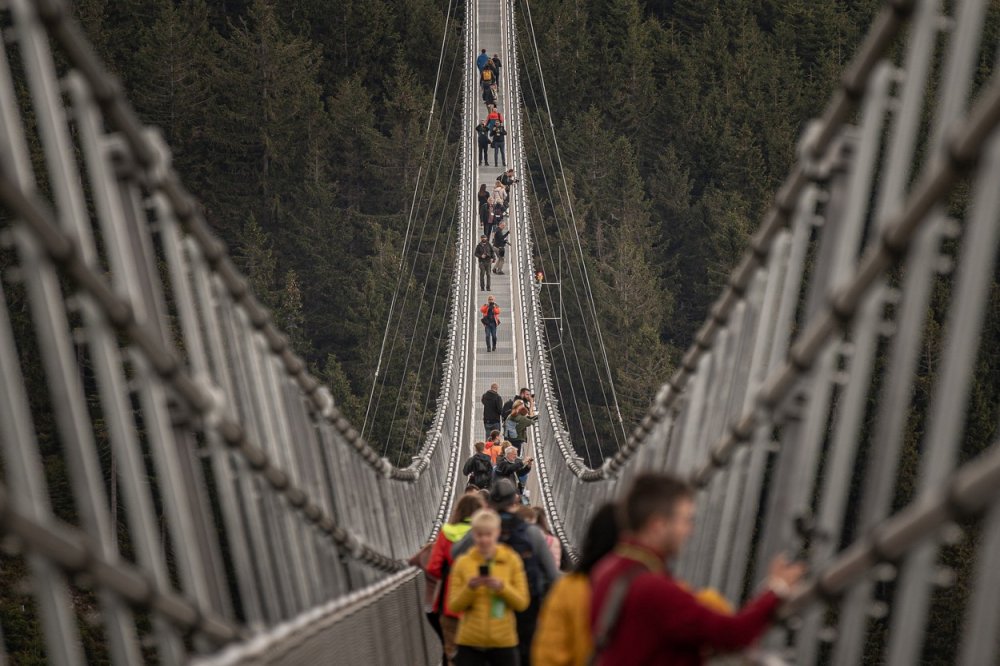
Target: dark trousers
(491,335)
(498,150)
(526,621)
(484,154)
(488,228)
(490,427)
(471,656)
(484,275)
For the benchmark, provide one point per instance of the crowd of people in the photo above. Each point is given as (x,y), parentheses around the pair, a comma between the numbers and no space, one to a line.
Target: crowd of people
(501,590)
(497,595)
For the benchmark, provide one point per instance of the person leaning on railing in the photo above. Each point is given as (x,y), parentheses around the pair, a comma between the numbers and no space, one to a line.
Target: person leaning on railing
(641,614)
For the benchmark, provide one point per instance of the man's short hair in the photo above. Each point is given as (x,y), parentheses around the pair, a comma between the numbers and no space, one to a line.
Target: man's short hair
(485,520)
(510,448)
(653,495)
(522,391)
(479,446)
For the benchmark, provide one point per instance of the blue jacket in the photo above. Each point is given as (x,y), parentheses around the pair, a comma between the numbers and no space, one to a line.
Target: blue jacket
(482,60)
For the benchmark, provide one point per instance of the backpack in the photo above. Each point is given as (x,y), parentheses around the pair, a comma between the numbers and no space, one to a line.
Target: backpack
(514,533)
(489,316)
(508,407)
(481,474)
(510,429)
(487,74)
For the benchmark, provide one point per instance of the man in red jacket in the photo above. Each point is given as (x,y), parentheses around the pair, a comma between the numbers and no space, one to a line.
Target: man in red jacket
(640,614)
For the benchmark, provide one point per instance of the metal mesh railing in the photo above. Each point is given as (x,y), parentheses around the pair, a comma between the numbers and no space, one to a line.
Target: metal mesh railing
(840,379)
(173,478)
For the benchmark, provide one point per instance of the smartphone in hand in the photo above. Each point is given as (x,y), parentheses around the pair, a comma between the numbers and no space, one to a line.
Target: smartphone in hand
(484,570)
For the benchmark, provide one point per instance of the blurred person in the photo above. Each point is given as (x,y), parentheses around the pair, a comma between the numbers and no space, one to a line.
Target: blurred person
(563,635)
(542,520)
(640,614)
(441,561)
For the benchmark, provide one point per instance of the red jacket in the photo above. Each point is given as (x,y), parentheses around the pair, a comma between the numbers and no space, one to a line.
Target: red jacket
(662,623)
(449,535)
(496,311)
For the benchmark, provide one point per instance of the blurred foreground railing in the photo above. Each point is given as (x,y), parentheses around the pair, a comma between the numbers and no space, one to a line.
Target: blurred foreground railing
(172,479)
(850,365)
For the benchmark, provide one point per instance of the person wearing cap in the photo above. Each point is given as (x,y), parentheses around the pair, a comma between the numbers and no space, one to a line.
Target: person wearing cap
(486,256)
(528,541)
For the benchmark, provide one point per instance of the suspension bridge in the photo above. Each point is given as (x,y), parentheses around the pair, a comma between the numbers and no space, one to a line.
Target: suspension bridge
(271,531)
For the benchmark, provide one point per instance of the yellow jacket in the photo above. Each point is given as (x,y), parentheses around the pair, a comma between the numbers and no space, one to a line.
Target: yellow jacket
(562,637)
(478,627)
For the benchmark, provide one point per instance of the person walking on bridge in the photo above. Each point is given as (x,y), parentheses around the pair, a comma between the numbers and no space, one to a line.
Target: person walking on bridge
(528,541)
(486,256)
(496,67)
(500,243)
(492,404)
(483,138)
(641,614)
(479,468)
(440,563)
(482,60)
(491,319)
(488,586)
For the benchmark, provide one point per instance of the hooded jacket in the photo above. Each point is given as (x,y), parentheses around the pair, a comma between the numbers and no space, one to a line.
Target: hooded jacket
(482,60)
(440,563)
(492,404)
(479,625)
(480,467)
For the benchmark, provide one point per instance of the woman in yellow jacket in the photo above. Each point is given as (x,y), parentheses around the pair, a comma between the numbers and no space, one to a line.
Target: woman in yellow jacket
(487,585)
(562,637)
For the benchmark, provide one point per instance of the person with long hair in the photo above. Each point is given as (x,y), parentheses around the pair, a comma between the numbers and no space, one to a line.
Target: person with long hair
(551,540)
(563,636)
(440,563)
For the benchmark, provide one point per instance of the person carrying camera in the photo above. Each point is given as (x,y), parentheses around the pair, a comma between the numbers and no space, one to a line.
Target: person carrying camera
(487,586)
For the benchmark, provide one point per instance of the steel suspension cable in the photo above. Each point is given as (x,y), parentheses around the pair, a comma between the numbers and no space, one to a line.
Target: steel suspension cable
(409,221)
(548,245)
(572,276)
(420,307)
(576,232)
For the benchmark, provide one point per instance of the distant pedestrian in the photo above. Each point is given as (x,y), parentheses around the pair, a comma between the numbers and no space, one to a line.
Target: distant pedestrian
(563,635)
(500,195)
(521,421)
(513,468)
(479,468)
(526,397)
(488,75)
(482,60)
(542,520)
(491,319)
(483,139)
(499,135)
(492,404)
(641,614)
(493,117)
(440,564)
(490,95)
(496,66)
(494,446)
(500,243)
(488,585)
(486,255)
